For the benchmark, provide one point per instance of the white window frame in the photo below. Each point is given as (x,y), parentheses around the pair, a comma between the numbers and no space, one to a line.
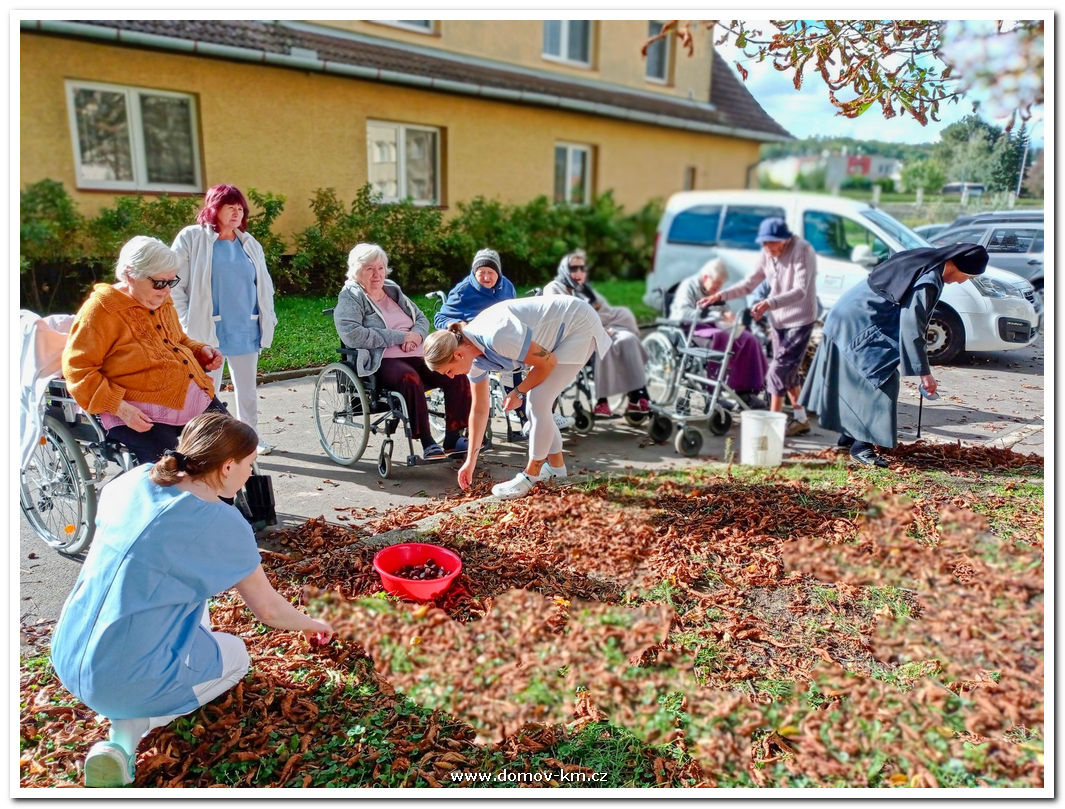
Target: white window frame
(401,159)
(665,43)
(137,148)
(571,149)
(409,25)
(563,44)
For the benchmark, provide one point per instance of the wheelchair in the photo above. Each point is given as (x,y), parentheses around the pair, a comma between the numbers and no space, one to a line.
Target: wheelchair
(349,410)
(579,397)
(60,485)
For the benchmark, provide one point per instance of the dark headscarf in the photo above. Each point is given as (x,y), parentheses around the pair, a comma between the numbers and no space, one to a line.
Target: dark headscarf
(562,276)
(895,276)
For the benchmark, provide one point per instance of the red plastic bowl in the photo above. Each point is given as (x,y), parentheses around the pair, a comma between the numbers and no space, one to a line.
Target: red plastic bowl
(388,560)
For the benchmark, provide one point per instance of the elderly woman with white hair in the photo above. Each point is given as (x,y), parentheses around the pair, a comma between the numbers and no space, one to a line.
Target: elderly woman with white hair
(373,316)
(691,302)
(128,360)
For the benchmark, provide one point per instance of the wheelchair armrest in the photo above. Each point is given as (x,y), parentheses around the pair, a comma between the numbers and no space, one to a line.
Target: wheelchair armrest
(328,311)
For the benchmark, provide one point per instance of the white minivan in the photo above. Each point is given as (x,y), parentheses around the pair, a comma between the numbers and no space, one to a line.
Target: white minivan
(995,311)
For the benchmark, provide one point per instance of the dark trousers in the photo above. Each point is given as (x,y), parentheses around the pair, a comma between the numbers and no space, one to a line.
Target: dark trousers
(148,447)
(410,377)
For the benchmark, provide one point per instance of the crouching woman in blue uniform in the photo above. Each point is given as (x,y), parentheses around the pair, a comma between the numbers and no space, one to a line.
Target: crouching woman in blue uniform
(853,383)
(134,640)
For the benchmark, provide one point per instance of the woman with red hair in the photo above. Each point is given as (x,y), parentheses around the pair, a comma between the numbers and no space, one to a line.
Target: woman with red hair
(226,297)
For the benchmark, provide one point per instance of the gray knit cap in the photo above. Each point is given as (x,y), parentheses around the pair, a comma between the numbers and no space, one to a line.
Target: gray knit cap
(487,255)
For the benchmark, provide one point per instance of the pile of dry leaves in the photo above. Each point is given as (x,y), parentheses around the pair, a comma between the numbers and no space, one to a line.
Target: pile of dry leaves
(758,631)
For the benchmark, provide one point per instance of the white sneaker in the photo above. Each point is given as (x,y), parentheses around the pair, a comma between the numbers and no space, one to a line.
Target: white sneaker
(107,765)
(518,486)
(549,471)
(564,422)
(265,449)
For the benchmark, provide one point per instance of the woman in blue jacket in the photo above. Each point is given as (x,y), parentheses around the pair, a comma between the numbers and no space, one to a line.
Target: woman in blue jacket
(134,640)
(853,384)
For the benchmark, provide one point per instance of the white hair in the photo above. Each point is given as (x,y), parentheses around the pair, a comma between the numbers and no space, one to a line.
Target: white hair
(144,256)
(361,255)
(715,268)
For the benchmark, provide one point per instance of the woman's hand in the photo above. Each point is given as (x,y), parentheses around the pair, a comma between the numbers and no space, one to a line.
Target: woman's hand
(512,400)
(466,471)
(760,309)
(320,634)
(134,418)
(709,300)
(928,382)
(411,341)
(209,358)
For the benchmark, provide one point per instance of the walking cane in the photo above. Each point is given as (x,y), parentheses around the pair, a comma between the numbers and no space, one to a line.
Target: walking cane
(920,405)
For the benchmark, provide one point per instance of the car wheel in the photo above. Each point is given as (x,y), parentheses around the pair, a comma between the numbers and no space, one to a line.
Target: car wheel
(945,336)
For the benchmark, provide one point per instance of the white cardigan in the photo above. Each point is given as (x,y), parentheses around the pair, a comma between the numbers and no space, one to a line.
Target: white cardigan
(192,296)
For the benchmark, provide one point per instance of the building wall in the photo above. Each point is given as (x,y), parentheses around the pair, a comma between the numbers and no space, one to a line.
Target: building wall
(291,132)
(615,59)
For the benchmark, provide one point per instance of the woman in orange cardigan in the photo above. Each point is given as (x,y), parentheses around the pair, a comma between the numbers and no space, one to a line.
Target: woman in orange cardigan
(128,360)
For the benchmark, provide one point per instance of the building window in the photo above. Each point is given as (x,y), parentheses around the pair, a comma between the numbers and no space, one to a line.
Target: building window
(657,55)
(573,174)
(133,139)
(568,41)
(421,26)
(404,162)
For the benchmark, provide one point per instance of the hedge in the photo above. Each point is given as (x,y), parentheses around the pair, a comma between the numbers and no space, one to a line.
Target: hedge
(62,252)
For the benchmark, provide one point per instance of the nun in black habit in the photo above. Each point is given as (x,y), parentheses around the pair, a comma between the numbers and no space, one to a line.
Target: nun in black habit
(853,384)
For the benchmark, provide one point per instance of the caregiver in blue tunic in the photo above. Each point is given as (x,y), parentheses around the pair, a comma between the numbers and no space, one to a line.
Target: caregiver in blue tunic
(134,639)
(853,384)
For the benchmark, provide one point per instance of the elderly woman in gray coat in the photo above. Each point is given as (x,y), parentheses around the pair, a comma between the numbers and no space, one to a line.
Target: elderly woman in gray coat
(875,327)
(622,369)
(373,316)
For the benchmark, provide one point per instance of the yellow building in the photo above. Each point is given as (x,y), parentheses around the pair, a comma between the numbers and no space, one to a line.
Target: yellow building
(439,111)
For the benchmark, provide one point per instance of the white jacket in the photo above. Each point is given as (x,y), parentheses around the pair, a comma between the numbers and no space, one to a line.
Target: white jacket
(192,296)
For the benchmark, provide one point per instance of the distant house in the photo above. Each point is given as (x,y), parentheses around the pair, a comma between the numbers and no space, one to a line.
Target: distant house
(438,111)
(785,171)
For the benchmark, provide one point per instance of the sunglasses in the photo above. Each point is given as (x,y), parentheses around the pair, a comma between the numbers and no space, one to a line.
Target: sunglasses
(577,268)
(158,283)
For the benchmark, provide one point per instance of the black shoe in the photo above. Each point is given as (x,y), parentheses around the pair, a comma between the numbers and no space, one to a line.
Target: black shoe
(844,442)
(868,456)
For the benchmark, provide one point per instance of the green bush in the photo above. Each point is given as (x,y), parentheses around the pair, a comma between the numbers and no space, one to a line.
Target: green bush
(133,216)
(260,225)
(51,242)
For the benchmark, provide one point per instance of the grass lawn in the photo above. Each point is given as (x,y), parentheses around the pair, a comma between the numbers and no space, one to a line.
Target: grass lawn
(306,338)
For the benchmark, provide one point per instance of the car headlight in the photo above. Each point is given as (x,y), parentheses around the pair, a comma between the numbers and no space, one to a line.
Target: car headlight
(993,288)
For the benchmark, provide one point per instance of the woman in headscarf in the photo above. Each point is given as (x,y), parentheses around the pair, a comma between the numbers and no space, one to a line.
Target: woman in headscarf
(622,370)
(853,384)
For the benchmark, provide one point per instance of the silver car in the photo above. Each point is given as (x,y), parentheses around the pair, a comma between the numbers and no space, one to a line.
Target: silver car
(1013,246)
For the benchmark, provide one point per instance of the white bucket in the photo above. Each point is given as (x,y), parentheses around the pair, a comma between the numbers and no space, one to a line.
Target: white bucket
(762,437)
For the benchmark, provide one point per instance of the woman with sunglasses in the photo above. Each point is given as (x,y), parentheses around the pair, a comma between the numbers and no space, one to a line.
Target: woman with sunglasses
(226,296)
(128,360)
(622,370)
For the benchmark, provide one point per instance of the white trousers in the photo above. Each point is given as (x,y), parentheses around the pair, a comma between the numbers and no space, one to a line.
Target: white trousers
(242,370)
(544,436)
(127,733)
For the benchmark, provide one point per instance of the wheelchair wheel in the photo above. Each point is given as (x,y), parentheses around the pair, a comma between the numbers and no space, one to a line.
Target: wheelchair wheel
(384,460)
(661,367)
(56,493)
(660,428)
(720,421)
(635,419)
(583,420)
(688,442)
(341,413)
